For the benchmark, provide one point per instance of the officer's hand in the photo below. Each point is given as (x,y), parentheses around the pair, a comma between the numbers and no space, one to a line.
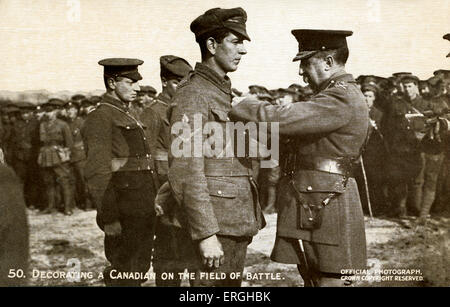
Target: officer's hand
(237,99)
(2,157)
(211,252)
(113,229)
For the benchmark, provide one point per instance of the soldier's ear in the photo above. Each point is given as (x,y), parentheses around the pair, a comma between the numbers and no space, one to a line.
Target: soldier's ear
(163,82)
(329,62)
(211,45)
(111,83)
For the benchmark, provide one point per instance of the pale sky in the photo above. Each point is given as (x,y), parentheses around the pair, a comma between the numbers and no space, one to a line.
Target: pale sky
(49,44)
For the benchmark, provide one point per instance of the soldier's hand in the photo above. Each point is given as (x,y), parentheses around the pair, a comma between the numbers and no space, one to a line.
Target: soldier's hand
(159,210)
(113,229)
(211,252)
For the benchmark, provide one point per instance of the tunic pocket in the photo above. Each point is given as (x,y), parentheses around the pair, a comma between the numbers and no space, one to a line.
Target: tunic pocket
(222,188)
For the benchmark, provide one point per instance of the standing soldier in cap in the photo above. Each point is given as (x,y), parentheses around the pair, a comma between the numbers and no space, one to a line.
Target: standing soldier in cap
(11,113)
(78,154)
(26,145)
(167,258)
(88,105)
(320,223)
(14,231)
(406,162)
(54,156)
(120,175)
(173,69)
(217,193)
(147,94)
(435,147)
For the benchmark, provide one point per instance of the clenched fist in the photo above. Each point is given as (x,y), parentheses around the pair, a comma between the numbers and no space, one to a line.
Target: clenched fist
(211,252)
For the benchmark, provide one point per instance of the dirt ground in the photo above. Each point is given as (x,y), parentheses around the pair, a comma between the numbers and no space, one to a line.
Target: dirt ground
(60,244)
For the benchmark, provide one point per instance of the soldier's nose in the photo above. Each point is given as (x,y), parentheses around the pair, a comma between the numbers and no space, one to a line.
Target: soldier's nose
(242,49)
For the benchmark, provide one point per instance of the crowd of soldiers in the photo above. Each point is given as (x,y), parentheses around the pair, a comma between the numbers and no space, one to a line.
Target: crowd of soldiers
(405,169)
(113,153)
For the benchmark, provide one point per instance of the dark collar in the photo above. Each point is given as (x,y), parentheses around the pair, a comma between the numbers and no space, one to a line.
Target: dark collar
(163,98)
(336,77)
(107,98)
(223,83)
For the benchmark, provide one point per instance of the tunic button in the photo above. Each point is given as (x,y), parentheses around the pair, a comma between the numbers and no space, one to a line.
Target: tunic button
(128,127)
(147,155)
(219,192)
(309,188)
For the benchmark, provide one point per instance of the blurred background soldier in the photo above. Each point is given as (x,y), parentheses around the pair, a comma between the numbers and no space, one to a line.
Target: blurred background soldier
(39,112)
(54,156)
(78,154)
(10,113)
(120,174)
(14,241)
(26,148)
(77,99)
(137,106)
(88,105)
(405,161)
(268,177)
(173,69)
(147,95)
(374,155)
(434,145)
(442,202)
(168,241)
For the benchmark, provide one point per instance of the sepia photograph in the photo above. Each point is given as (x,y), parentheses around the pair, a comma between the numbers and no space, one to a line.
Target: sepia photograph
(248,144)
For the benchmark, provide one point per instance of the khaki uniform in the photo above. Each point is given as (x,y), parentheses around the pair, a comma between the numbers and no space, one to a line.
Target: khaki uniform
(218,195)
(54,155)
(406,160)
(25,148)
(78,162)
(14,232)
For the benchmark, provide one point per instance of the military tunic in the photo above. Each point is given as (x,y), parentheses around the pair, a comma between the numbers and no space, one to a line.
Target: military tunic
(78,162)
(160,107)
(374,162)
(54,155)
(331,124)
(216,192)
(405,162)
(26,147)
(120,175)
(169,240)
(14,232)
